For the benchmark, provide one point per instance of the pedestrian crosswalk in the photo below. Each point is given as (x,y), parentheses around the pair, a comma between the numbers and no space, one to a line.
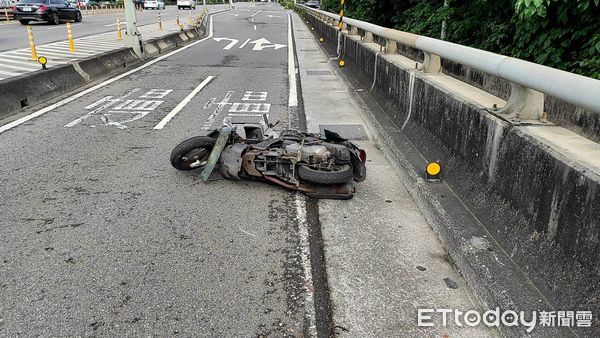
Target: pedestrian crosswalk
(19,62)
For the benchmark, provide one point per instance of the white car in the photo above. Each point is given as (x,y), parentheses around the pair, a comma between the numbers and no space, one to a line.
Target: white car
(154,4)
(191,4)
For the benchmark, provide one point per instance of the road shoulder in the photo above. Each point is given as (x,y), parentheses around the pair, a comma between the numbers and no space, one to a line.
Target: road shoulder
(378,275)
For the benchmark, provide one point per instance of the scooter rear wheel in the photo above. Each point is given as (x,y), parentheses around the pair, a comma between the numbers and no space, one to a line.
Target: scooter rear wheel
(192,153)
(342,174)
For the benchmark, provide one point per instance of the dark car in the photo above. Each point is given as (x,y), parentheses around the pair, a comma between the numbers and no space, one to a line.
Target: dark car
(53,11)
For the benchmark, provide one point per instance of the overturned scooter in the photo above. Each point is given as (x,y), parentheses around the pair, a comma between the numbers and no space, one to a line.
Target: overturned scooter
(321,166)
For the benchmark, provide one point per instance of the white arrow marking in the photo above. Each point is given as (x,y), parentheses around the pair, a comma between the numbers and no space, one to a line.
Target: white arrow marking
(273,16)
(230,45)
(258,44)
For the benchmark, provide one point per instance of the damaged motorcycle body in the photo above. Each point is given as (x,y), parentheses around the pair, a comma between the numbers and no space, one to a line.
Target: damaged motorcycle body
(321,166)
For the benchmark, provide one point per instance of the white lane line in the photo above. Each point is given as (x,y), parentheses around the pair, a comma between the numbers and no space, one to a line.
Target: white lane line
(253,15)
(3,72)
(244,44)
(15,67)
(61,103)
(63,27)
(293,95)
(114,24)
(78,52)
(51,56)
(19,61)
(183,103)
(254,27)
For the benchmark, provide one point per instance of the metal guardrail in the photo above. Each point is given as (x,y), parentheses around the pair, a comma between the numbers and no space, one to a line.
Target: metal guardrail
(528,80)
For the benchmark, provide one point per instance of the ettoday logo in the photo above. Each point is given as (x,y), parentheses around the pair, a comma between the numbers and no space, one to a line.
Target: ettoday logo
(496,318)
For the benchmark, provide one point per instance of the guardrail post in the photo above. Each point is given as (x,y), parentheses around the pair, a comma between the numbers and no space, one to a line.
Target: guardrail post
(432,63)
(368,37)
(524,103)
(353,30)
(390,46)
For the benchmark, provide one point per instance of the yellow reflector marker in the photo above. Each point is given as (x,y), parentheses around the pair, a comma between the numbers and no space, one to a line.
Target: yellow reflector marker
(433,172)
(321,39)
(342,63)
(433,168)
(42,60)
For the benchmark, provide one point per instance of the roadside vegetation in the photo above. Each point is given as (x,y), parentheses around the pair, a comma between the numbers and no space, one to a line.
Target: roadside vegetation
(563,34)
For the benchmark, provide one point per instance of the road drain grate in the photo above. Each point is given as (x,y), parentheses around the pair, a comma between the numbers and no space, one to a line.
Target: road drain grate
(319,72)
(349,131)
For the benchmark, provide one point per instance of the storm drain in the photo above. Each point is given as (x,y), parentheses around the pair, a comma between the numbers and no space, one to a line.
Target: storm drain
(355,132)
(319,72)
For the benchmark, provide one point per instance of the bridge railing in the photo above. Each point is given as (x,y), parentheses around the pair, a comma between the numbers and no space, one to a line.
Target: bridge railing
(529,81)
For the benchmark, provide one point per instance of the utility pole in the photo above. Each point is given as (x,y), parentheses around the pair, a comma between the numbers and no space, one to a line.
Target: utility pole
(444,23)
(133,38)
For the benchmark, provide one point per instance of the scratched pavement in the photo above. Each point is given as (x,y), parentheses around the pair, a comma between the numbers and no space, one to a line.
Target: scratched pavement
(99,235)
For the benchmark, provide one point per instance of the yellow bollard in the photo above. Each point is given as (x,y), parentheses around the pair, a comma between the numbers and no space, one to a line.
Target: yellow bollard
(190,18)
(6,13)
(70,36)
(159,23)
(119,34)
(32,44)
(178,18)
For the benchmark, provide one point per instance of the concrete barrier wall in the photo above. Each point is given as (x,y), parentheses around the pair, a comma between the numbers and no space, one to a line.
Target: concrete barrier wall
(539,203)
(34,88)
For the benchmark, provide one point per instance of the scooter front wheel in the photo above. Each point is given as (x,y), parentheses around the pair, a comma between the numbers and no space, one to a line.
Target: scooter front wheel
(192,153)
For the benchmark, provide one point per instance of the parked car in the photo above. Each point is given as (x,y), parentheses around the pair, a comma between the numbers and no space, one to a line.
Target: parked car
(189,4)
(154,4)
(313,4)
(53,11)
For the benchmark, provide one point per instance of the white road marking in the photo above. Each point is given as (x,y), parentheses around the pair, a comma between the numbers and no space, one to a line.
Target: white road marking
(183,103)
(156,94)
(62,102)
(106,118)
(138,105)
(263,43)
(109,102)
(208,124)
(3,72)
(230,45)
(250,107)
(114,24)
(63,27)
(15,67)
(253,15)
(254,96)
(244,44)
(254,27)
(300,202)
(293,94)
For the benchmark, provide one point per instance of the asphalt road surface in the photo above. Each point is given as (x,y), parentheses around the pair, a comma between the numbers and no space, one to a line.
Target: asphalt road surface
(13,36)
(99,235)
